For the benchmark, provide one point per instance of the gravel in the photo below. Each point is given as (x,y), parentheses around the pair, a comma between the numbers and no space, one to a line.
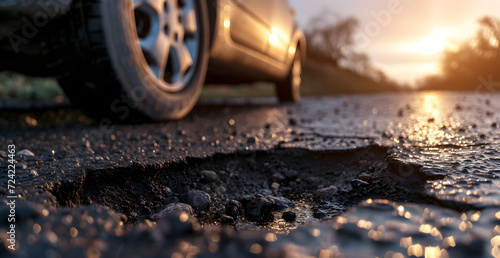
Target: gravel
(282,203)
(233,208)
(208,176)
(326,193)
(199,200)
(365,177)
(290,174)
(357,183)
(289,216)
(260,209)
(25,153)
(228,220)
(173,208)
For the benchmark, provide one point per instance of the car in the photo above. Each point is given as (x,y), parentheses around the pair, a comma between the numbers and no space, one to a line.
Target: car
(148,60)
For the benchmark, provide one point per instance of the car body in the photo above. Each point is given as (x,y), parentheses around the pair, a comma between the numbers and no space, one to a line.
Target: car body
(247,41)
(259,42)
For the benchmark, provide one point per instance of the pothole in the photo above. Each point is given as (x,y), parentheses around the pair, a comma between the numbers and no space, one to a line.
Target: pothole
(277,189)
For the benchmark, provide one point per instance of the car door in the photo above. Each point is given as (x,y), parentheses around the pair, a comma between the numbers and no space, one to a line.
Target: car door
(250,23)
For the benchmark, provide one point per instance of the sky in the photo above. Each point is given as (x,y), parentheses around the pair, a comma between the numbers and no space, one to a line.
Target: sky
(404,38)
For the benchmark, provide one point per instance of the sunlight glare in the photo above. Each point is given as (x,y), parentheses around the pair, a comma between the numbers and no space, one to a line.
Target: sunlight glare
(433,44)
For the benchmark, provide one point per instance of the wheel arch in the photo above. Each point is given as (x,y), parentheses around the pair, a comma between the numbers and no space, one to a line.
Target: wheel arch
(299,41)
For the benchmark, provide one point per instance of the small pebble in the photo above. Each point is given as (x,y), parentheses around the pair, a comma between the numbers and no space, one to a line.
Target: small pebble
(313,180)
(266,192)
(289,216)
(319,215)
(199,200)
(220,189)
(224,219)
(290,174)
(365,177)
(260,210)
(134,137)
(326,193)
(251,140)
(208,176)
(60,154)
(168,191)
(356,183)
(233,208)
(282,203)
(170,200)
(173,208)
(278,177)
(26,153)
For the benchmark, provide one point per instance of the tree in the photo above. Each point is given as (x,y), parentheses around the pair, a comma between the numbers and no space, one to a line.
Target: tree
(474,58)
(358,63)
(331,38)
(488,37)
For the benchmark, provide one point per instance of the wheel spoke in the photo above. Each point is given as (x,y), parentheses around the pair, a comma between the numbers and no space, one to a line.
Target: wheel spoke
(189,23)
(182,60)
(169,39)
(157,51)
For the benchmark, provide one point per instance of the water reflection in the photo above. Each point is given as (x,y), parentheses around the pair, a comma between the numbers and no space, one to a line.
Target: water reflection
(432,232)
(456,134)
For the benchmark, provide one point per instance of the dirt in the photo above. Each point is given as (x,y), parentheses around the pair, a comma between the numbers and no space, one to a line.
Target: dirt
(320,185)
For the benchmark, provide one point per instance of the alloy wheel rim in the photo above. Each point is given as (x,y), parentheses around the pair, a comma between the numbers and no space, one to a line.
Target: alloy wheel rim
(169,37)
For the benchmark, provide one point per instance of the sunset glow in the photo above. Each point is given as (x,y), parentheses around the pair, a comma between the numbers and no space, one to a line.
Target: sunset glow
(409,41)
(433,44)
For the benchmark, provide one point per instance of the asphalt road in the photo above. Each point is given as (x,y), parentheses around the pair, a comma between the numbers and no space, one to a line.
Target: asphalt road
(383,175)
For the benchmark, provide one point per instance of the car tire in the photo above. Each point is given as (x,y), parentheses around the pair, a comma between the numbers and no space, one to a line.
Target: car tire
(138,60)
(288,89)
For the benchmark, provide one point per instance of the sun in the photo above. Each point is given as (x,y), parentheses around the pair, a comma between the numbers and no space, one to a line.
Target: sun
(432,44)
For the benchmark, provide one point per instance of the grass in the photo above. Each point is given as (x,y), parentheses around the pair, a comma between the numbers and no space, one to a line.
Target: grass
(256,90)
(18,88)
(322,78)
(319,79)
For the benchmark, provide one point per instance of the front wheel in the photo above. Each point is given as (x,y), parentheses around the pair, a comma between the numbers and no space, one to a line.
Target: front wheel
(147,58)
(288,90)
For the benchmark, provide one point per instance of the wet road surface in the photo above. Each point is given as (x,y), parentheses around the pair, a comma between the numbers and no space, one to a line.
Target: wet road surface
(390,175)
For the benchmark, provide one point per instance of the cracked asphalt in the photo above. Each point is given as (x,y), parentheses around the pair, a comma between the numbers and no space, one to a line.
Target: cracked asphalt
(387,175)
